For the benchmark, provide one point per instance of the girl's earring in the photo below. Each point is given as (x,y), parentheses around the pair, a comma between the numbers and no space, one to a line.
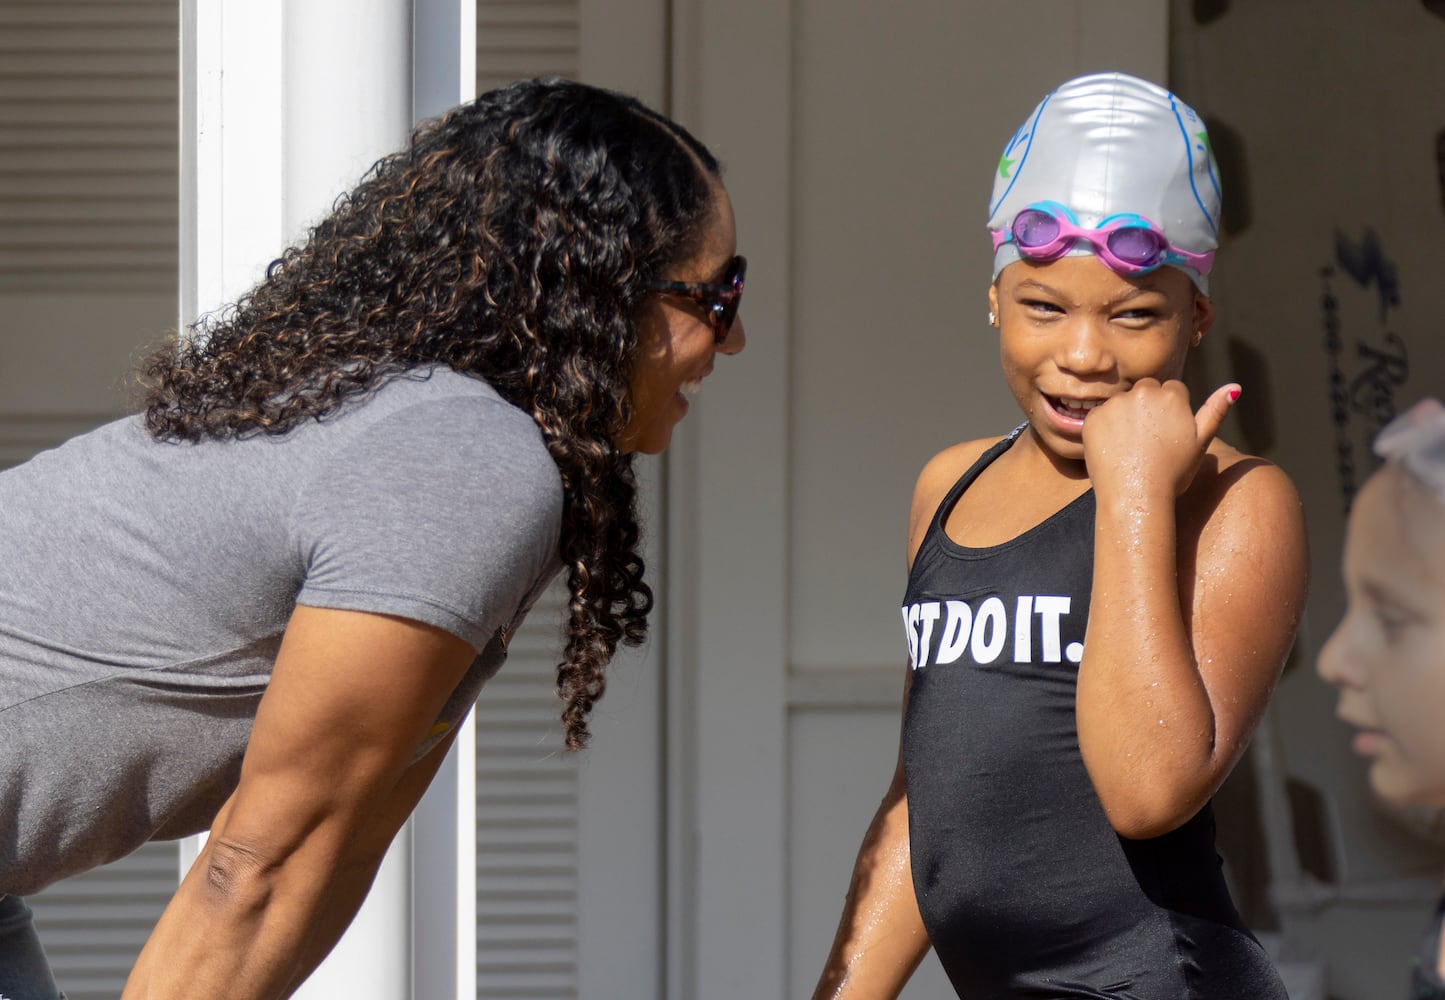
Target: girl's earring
(992,319)
(1198,338)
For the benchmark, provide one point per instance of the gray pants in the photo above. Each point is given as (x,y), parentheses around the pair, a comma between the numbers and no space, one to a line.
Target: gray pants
(24,972)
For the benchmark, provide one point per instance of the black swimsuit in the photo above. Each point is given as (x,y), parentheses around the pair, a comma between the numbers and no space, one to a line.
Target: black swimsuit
(1025,888)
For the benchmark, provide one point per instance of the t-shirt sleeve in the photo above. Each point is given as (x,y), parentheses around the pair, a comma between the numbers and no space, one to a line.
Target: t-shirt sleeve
(446,512)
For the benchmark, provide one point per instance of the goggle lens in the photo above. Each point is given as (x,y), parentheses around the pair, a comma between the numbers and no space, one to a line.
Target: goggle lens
(1034,229)
(1137,245)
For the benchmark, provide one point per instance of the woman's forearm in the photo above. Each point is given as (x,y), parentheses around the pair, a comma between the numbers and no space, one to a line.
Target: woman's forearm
(348,891)
(236,928)
(349,888)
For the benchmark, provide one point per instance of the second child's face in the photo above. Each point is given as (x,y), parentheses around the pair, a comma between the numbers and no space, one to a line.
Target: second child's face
(1387,656)
(1072,333)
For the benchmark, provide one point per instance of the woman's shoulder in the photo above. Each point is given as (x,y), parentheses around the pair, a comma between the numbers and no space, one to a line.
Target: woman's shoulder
(446,434)
(435,383)
(436,405)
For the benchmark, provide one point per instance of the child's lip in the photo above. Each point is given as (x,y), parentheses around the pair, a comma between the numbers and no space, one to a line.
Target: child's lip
(1367,742)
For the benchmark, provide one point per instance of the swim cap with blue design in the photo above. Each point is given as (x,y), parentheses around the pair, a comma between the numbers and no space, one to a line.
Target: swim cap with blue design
(1109,144)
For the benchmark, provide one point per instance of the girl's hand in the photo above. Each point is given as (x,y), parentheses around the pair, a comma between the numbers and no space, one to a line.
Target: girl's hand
(1148,441)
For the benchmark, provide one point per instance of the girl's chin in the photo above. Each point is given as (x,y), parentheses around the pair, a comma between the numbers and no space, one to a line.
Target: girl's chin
(1058,441)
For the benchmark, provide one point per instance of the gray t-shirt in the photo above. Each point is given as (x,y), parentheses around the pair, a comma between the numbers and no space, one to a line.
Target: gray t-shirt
(144,588)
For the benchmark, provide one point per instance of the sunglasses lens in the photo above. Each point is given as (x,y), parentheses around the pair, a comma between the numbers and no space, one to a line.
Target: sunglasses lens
(726,312)
(1033,228)
(726,308)
(1137,245)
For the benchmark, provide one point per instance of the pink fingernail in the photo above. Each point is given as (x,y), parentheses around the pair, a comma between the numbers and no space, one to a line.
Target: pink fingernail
(1233,395)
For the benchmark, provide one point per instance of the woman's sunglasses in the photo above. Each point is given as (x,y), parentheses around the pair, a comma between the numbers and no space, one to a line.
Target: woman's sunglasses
(719,300)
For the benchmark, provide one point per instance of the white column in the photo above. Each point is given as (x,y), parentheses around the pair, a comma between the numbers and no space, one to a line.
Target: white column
(284,107)
(231,163)
(230,79)
(347,101)
(444,837)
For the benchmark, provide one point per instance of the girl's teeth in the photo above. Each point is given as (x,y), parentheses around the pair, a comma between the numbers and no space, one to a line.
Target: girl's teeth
(691,388)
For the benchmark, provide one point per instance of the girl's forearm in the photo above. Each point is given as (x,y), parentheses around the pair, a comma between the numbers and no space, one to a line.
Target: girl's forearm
(1145,722)
(880,939)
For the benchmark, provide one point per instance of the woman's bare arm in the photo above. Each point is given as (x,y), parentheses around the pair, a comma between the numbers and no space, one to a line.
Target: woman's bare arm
(322,788)
(353,882)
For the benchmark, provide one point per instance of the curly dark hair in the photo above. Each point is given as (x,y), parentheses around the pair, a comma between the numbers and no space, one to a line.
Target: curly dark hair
(512,240)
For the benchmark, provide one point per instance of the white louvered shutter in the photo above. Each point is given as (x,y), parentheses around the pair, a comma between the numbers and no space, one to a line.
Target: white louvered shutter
(93,925)
(88,202)
(88,95)
(527,823)
(527,785)
(519,39)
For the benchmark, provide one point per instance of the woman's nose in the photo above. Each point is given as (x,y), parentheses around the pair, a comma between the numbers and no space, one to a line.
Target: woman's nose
(736,338)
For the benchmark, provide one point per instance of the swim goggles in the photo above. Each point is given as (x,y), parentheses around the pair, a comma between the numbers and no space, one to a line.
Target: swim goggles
(1127,243)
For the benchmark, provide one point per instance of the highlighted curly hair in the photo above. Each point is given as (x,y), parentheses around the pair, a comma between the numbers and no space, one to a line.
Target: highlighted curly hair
(512,240)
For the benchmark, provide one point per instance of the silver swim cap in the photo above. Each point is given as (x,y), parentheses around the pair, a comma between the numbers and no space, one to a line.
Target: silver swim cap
(1106,145)
(1416,439)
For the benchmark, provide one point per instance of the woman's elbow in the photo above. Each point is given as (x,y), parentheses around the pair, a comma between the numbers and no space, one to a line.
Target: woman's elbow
(237,876)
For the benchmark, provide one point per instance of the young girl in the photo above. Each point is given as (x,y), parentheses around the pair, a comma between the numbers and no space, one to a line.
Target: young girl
(1387,656)
(1098,607)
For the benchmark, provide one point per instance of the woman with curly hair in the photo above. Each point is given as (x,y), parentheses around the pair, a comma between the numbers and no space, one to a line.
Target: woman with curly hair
(263,606)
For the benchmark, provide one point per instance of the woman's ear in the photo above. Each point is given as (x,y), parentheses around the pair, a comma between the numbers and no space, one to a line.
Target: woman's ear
(993,304)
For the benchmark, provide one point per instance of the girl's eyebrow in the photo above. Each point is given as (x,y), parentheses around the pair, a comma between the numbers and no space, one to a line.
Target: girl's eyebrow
(1035,285)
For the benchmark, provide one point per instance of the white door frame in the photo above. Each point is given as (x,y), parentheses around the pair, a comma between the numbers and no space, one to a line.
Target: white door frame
(727,494)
